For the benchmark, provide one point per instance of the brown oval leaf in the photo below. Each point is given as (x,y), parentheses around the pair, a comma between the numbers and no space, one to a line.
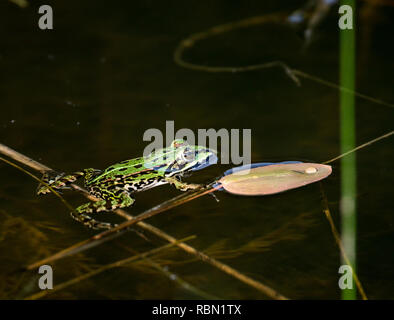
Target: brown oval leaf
(274,178)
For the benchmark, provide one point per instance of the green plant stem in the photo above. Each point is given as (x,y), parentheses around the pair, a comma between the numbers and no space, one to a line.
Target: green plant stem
(348,142)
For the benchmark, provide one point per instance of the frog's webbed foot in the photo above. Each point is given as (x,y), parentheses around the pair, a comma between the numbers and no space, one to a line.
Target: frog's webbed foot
(182,186)
(49,177)
(57,181)
(83,212)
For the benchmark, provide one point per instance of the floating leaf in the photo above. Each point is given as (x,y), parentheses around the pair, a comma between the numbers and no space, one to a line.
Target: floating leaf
(264,179)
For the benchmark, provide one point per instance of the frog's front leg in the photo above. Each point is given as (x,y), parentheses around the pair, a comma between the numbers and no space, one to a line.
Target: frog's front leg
(183,186)
(111,202)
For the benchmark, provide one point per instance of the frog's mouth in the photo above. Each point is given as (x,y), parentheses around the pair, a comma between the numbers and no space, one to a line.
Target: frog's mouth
(212,159)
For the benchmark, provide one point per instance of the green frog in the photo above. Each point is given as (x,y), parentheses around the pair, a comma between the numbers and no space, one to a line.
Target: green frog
(114,185)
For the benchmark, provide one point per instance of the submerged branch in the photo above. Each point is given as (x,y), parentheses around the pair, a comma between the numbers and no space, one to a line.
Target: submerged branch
(293,74)
(90,274)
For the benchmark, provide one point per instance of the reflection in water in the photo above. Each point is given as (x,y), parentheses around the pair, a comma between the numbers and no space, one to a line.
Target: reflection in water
(29,241)
(294,229)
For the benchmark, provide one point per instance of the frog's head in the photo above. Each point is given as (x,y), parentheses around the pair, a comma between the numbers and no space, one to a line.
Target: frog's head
(180,157)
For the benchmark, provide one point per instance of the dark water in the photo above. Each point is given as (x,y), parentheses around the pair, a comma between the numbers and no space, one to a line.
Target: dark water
(83,94)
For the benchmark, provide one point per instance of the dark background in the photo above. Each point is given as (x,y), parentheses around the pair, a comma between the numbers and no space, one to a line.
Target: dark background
(82,95)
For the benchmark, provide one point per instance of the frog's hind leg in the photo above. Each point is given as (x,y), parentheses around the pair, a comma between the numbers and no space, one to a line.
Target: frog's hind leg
(111,202)
(60,180)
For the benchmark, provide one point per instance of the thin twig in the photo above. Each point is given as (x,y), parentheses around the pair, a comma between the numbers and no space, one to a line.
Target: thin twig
(338,87)
(23,159)
(360,146)
(339,242)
